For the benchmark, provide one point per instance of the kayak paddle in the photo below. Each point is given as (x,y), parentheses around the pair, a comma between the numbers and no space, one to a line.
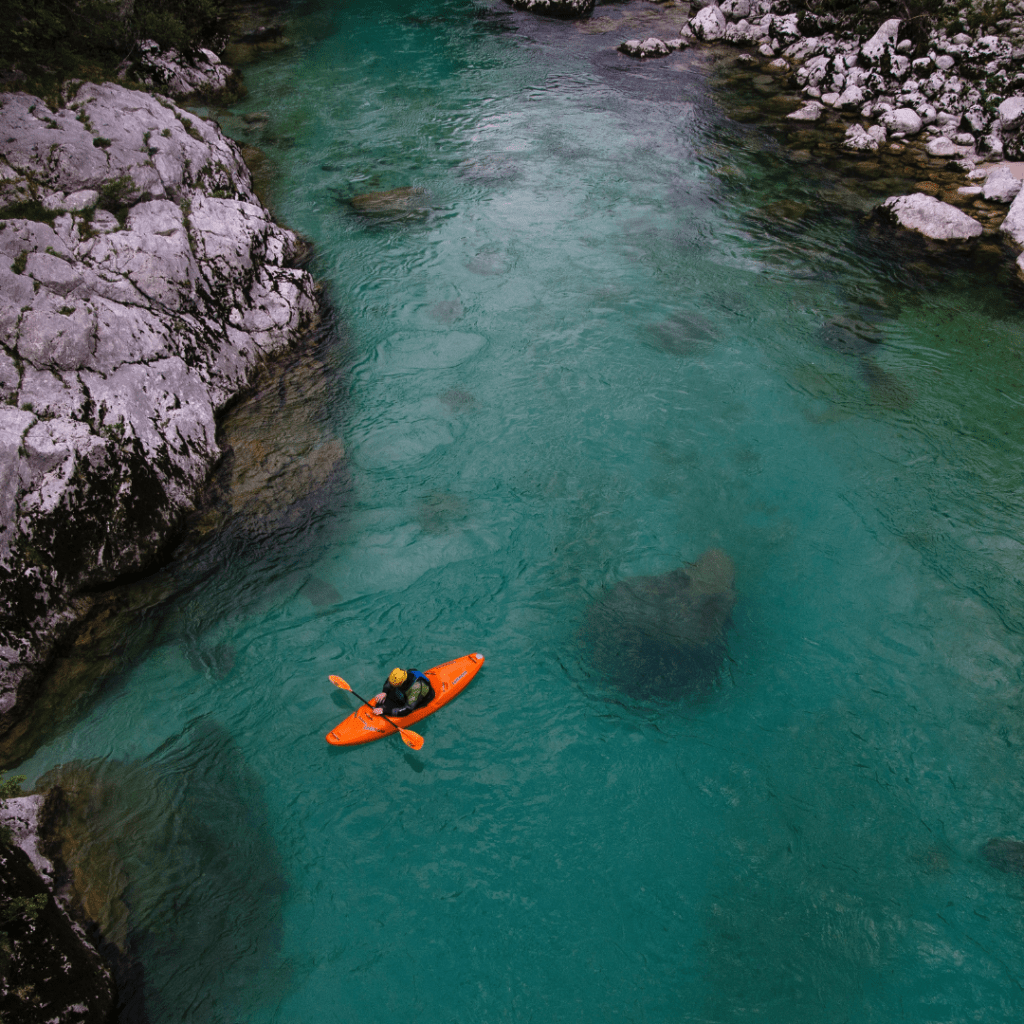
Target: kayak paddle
(409,738)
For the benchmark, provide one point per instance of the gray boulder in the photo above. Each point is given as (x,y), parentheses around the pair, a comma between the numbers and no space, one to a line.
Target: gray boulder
(665,634)
(126,327)
(930,217)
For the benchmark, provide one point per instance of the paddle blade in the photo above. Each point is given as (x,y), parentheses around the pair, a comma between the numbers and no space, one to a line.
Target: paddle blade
(411,739)
(340,683)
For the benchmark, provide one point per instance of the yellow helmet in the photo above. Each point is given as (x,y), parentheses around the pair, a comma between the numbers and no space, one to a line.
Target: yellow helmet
(398,676)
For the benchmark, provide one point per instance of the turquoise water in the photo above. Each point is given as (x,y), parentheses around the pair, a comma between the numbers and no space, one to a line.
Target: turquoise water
(595,351)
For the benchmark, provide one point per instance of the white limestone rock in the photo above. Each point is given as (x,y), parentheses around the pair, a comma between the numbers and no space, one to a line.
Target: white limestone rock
(179,75)
(567,9)
(810,111)
(941,146)
(884,38)
(122,339)
(650,47)
(851,98)
(857,138)
(1011,127)
(931,217)
(708,25)
(736,10)
(905,120)
(1001,185)
(1014,223)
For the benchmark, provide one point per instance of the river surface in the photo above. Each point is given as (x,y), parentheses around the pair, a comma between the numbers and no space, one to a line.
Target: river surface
(615,329)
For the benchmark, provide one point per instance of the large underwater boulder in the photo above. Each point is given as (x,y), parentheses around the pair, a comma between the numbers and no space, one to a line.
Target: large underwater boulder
(665,634)
(171,858)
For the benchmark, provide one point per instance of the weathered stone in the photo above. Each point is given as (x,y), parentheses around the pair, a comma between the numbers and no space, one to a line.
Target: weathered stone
(709,24)
(904,120)
(556,8)
(885,37)
(736,9)
(650,47)
(851,98)
(857,138)
(930,217)
(1013,225)
(808,112)
(941,146)
(1001,185)
(200,73)
(130,339)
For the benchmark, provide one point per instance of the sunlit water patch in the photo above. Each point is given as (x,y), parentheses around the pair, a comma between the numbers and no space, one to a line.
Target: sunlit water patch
(601,330)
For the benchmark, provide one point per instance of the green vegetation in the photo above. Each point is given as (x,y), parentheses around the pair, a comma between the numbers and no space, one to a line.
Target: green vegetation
(46,42)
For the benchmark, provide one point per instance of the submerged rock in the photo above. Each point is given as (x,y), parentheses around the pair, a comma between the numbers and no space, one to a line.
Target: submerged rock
(931,217)
(682,334)
(171,857)
(401,202)
(1005,855)
(665,634)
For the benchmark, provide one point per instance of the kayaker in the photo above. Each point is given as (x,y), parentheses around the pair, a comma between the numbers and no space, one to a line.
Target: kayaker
(403,692)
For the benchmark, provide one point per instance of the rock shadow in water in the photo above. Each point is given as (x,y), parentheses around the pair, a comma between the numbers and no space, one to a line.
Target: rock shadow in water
(1005,855)
(394,204)
(172,857)
(458,401)
(682,334)
(664,636)
(446,312)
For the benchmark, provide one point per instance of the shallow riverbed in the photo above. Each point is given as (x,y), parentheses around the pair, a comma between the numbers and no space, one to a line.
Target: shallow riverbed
(607,329)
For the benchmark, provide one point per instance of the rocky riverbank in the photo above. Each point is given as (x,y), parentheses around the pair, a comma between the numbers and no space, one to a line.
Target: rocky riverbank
(141,284)
(942,89)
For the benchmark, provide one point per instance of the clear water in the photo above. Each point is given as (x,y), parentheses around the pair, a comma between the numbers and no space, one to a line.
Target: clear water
(627,367)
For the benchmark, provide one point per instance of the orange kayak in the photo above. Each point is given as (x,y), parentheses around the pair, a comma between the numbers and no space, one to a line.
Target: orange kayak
(448,680)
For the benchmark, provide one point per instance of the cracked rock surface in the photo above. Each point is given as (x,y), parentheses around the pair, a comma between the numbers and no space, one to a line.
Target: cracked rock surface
(141,283)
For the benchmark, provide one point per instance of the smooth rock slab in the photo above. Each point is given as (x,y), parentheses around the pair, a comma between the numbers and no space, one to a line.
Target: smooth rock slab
(930,217)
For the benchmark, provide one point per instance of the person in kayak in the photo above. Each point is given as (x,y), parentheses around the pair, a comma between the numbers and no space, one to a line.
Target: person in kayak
(402,693)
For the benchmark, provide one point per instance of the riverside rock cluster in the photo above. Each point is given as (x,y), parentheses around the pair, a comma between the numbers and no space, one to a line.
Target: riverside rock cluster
(141,284)
(956,94)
